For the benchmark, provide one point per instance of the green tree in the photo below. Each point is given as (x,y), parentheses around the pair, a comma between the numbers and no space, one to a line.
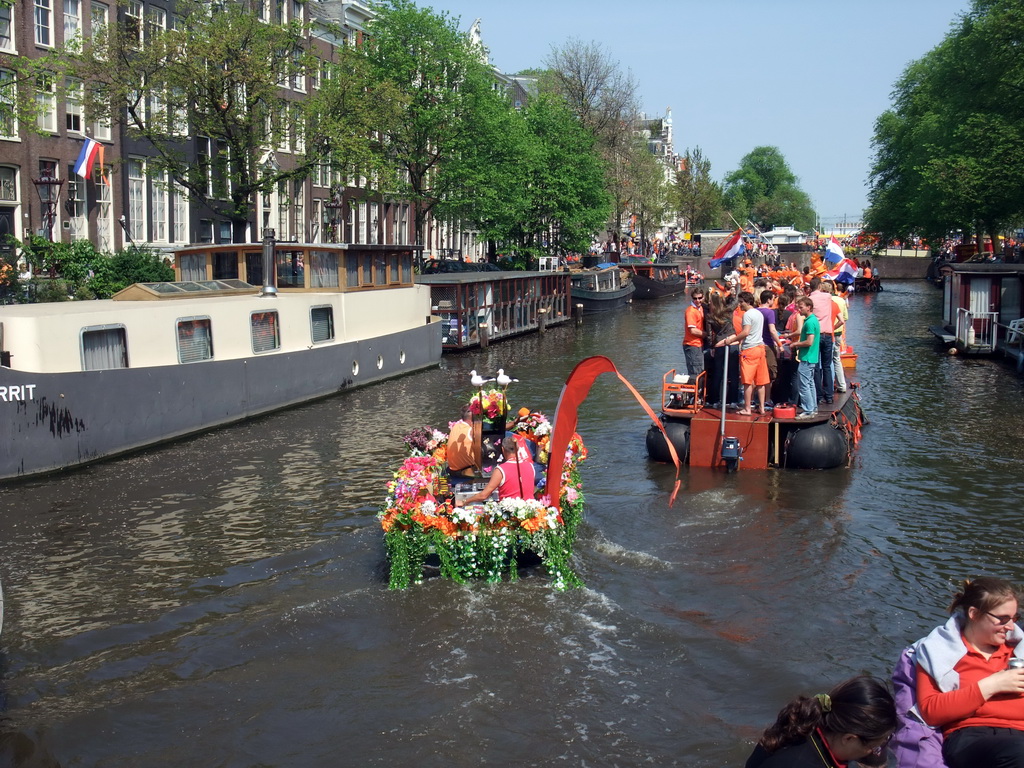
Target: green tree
(568,202)
(764,190)
(947,151)
(695,195)
(424,57)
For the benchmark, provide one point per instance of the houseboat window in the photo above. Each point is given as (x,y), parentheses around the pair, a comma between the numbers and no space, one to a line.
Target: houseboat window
(406,268)
(290,269)
(352,270)
(322,323)
(195,342)
(104,348)
(380,269)
(324,269)
(367,262)
(225,265)
(393,274)
(193,266)
(254,268)
(266,335)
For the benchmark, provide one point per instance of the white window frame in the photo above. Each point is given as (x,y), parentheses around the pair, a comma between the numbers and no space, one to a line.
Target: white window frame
(134,14)
(104,209)
(77,206)
(137,213)
(112,330)
(46,103)
(100,128)
(156,22)
(72,20)
(179,208)
(99,18)
(43,23)
(74,111)
(8,43)
(195,350)
(158,207)
(9,125)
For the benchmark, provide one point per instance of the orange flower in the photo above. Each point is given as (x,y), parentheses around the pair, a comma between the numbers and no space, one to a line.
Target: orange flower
(533,524)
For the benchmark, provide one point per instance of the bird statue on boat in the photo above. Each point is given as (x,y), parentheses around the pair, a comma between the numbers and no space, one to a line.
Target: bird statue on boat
(476,379)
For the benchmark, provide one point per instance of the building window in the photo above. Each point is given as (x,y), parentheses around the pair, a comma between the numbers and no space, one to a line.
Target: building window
(100,128)
(299,211)
(374,221)
(46,104)
(158,207)
(6,27)
(42,23)
(8,100)
(266,336)
(73,105)
(205,232)
(104,348)
(8,184)
(157,23)
(72,19)
(180,211)
(205,164)
(195,341)
(99,16)
(104,210)
(321,320)
(361,238)
(137,199)
(75,206)
(133,22)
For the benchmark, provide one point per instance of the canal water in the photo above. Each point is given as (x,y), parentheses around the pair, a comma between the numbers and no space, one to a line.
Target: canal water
(222,601)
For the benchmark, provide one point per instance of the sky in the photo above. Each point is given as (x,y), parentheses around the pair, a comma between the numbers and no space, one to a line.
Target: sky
(809,77)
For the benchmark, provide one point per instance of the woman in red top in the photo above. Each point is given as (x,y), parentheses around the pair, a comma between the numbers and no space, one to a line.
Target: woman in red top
(968,691)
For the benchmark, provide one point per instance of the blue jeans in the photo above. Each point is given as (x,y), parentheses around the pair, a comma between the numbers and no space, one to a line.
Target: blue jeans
(824,382)
(808,400)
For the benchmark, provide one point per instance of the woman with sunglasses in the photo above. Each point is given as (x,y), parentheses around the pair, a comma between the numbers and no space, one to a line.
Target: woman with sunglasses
(853,721)
(966,683)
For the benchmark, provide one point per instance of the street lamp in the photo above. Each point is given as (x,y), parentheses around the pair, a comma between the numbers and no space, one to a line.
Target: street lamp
(48,188)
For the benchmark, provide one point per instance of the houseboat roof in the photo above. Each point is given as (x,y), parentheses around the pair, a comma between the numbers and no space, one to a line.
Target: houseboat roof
(460,278)
(985,267)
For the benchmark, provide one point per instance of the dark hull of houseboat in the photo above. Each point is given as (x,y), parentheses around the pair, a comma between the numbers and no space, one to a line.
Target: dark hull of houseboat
(650,288)
(602,301)
(62,420)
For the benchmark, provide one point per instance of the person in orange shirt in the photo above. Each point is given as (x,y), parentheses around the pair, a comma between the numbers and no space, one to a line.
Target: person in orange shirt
(693,336)
(463,446)
(966,684)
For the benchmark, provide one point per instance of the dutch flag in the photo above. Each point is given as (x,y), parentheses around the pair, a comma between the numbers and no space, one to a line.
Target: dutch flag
(834,251)
(729,249)
(83,167)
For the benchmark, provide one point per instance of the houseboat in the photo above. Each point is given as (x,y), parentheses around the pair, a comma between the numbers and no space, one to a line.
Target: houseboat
(602,289)
(475,308)
(982,309)
(85,380)
(655,281)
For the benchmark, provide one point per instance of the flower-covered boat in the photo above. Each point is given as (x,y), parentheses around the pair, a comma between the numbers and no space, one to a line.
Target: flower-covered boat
(485,541)
(421,520)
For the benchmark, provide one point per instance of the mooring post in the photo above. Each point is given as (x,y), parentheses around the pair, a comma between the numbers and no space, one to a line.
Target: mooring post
(577,313)
(542,320)
(485,336)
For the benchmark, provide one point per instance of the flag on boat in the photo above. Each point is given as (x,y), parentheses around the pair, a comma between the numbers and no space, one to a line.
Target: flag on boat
(729,249)
(843,272)
(83,167)
(834,251)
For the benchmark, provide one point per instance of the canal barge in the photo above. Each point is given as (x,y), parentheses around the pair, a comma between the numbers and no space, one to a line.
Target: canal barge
(85,380)
(603,289)
(475,308)
(710,437)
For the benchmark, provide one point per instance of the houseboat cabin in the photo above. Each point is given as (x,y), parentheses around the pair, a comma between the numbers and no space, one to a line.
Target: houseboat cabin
(980,304)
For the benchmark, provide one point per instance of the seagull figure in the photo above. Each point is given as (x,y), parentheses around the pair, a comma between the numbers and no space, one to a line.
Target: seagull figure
(476,379)
(503,380)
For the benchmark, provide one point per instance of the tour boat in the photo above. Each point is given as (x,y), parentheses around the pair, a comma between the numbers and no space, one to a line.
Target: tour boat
(85,380)
(656,281)
(711,437)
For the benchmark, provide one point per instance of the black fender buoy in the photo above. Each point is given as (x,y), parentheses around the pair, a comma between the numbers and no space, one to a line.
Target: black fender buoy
(678,432)
(819,447)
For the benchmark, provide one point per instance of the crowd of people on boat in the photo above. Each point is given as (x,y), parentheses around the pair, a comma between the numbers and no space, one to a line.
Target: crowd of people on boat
(781,341)
(957,699)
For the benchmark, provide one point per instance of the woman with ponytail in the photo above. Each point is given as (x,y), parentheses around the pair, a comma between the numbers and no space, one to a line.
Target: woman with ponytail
(853,721)
(968,681)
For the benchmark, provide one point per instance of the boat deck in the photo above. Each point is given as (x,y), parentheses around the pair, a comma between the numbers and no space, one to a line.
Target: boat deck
(825,411)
